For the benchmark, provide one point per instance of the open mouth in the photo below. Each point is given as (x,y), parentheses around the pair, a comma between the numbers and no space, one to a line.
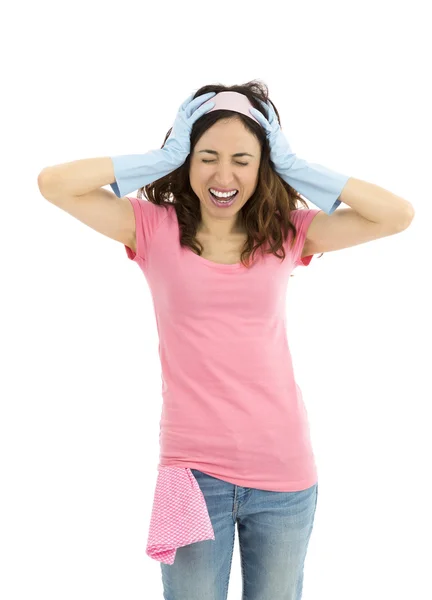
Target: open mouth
(223,202)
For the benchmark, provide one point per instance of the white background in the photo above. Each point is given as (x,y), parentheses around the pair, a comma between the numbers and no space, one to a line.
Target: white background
(81,381)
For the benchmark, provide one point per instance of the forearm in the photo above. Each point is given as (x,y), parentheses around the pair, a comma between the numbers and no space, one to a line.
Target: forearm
(375,203)
(77,177)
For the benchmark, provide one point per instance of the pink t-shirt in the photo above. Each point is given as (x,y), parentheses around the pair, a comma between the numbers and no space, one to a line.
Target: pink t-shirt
(231,406)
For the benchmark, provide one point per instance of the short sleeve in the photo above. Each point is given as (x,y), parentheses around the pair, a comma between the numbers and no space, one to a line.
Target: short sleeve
(301,218)
(148,217)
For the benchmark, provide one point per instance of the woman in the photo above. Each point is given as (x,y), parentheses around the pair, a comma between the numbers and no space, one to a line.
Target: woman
(217,239)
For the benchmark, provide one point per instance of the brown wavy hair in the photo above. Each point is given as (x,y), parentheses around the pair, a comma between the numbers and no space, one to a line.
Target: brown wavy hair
(265,216)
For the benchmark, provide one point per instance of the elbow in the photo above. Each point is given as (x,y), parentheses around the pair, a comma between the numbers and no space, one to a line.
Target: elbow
(43,181)
(41,178)
(409,216)
(406,217)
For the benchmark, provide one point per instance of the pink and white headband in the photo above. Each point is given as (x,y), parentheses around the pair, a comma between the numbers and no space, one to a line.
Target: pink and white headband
(232,101)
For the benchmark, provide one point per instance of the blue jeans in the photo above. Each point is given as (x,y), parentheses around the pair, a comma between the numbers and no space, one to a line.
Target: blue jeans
(274,530)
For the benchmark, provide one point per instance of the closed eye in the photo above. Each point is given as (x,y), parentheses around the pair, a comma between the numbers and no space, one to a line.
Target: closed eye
(239,163)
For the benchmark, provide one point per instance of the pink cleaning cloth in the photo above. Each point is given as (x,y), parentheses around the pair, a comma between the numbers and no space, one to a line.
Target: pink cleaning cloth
(179,515)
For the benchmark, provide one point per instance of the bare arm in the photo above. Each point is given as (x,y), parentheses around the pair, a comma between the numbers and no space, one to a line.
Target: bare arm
(77,177)
(78,188)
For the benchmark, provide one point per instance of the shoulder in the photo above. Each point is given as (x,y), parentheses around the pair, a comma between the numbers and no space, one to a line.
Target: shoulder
(148,218)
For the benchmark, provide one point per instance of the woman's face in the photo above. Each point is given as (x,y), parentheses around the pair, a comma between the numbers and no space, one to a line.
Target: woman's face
(221,169)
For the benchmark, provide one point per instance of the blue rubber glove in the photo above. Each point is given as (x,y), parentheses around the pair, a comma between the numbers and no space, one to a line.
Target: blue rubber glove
(133,171)
(318,184)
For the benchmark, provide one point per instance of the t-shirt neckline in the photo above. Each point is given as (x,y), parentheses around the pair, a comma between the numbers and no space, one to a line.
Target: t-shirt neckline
(215,265)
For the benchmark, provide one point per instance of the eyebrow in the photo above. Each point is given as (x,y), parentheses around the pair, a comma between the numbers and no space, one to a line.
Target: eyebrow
(237,153)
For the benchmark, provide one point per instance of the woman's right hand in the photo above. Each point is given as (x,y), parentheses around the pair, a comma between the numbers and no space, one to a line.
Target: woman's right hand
(178,143)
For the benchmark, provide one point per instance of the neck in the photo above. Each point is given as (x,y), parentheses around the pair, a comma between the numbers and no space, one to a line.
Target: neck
(221,229)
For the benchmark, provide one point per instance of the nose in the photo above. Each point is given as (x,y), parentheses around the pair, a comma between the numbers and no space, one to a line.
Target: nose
(224,176)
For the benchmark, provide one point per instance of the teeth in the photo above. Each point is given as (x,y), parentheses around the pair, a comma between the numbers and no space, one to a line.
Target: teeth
(223,195)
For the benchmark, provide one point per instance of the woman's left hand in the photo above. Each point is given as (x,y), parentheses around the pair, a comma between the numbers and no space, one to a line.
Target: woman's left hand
(280,151)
